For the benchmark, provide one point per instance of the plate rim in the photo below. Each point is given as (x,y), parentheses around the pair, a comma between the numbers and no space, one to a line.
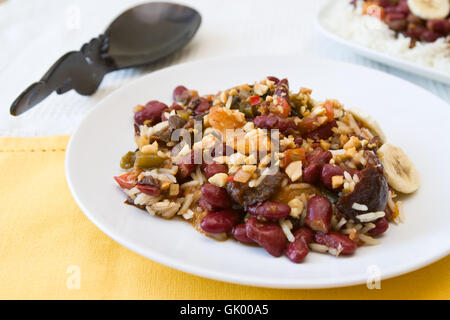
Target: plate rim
(221,276)
(379,56)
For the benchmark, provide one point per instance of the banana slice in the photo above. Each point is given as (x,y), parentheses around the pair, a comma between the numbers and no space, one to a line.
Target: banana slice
(368,122)
(429,9)
(400,172)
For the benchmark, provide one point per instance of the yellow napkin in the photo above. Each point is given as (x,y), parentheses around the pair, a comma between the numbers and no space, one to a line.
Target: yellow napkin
(50,250)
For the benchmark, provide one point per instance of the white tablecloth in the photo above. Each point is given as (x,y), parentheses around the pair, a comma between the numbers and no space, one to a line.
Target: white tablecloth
(34,34)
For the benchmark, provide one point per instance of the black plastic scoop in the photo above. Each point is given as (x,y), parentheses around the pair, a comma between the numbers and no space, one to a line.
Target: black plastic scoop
(140,35)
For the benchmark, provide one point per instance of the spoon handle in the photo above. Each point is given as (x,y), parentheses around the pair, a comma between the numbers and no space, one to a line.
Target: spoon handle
(81,70)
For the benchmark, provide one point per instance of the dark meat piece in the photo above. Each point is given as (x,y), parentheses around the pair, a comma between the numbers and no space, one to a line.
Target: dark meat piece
(372,159)
(371,190)
(175,122)
(150,181)
(242,194)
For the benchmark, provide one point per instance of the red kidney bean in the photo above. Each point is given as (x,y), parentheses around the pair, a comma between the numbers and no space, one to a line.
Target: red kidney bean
(298,141)
(152,111)
(415,31)
(429,36)
(328,172)
(318,216)
(202,106)
(211,169)
(220,221)
(282,89)
(297,251)
(268,235)
(439,25)
(205,205)
(311,173)
(186,165)
(337,241)
(215,195)
(304,233)
(270,210)
(239,232)
(150,190)
(271,121)
(385,3)
(323,132)
(315,160)
(402,8)
(381,225)
(274,79)
(318,155)
(180,94)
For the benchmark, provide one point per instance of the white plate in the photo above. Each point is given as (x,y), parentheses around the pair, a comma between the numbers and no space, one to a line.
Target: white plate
(412,118)
(379,56)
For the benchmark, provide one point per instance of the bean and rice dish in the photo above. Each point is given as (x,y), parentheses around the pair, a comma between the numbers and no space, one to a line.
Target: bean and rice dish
(267,167)
(413,30)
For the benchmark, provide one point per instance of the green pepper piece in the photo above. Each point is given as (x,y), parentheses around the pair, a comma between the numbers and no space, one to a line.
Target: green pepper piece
(127,160)
(184,114)
(147,161)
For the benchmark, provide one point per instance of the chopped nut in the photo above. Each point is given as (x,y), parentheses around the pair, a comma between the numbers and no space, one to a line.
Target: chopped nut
(260,89)
(296,207)
(294,170)
(249,168)
(219,179)
(351,151)
(242,176)
(324,144)
(174,189)
(150,148)
(354,142)
(337,181)
(165,185)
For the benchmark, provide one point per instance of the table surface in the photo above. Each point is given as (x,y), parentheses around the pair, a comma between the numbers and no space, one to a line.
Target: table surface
(34,34)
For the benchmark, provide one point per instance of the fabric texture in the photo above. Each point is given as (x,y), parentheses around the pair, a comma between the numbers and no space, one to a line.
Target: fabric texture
(50,250)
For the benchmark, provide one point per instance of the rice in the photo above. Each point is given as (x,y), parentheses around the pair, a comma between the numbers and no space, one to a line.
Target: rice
(359,206)
(318,247)
(349,23)
(286,226)
(143,199)
(368,240)
(370,216)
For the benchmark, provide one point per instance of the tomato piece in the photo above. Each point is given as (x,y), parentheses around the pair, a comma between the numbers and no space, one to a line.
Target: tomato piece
(372,8)
(308,124)
(126,180)
(292,155)
(285,107)
(329,110)
(254,100)
(150,190)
